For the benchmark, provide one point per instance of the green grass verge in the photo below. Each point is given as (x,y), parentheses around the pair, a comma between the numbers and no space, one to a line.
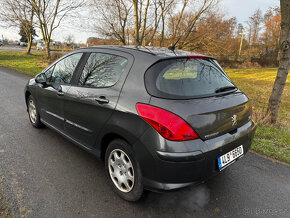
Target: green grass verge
(26,64)
(256,83)
(273,142)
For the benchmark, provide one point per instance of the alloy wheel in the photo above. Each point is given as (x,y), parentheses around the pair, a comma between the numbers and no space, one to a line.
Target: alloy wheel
(32,111)
(121,170)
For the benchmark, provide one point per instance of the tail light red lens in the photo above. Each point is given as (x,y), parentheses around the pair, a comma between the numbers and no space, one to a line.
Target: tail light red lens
(167,124)
(252,111)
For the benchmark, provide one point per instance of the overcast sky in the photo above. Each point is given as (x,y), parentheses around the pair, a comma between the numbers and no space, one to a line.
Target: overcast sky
(241,9)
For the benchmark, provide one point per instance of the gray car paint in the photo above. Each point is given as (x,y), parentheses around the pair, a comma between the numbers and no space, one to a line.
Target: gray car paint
(206,116)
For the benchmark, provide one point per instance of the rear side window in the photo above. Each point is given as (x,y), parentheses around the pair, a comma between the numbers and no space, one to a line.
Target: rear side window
(185,78)
(102,70)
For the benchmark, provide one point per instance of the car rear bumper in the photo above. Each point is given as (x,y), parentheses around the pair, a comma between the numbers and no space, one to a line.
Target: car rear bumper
(166,170)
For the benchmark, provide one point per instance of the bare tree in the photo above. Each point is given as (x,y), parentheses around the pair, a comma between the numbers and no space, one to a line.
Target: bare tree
(69,39)
(165,6)
(144,27)
(184,22)
(112,18)
(50,14)
(145,20)
(255,25)
(215,35)
(179,16)
(19,13)
(284,63)
(136,22)
(271,35)
(118,18)
(140,19)
(155,17)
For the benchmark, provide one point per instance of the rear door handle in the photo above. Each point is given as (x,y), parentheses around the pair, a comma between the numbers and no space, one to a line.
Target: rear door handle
(60,93)
(102,100)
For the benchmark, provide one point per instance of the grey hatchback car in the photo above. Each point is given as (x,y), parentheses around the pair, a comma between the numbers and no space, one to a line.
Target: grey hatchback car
(159,119)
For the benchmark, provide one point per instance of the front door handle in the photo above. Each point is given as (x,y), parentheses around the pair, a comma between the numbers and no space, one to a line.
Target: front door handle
(60,93)
(102,100)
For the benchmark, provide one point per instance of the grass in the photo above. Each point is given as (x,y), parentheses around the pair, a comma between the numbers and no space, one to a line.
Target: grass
(26,64)
(256,83)
(272,141)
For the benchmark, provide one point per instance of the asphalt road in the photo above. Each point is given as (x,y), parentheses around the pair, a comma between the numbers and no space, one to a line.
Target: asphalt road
(17,48)
(44,175)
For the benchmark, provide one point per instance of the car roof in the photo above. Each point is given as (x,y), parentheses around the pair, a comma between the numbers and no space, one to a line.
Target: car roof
(160,52)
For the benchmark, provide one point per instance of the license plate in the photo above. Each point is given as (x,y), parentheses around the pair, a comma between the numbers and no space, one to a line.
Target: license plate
(230,157)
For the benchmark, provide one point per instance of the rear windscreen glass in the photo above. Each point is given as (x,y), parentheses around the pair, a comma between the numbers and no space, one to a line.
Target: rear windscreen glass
(186,78)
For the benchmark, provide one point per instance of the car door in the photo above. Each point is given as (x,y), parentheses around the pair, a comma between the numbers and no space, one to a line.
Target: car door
(50,97)
(91,101)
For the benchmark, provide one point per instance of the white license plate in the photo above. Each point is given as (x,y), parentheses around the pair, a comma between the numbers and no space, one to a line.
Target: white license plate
(230,157)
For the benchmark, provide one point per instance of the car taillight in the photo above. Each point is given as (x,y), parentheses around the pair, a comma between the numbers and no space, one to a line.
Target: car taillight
(252,111)
(167,124)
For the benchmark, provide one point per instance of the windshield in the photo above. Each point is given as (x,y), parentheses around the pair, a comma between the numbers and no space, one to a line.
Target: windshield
(186,78)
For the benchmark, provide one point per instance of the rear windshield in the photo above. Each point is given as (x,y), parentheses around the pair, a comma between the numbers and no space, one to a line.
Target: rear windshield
(187,78)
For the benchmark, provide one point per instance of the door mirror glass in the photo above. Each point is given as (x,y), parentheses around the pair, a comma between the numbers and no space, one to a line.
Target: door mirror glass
(41,78)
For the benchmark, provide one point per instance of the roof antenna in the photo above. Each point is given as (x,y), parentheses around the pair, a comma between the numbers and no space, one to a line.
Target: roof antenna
(172,47)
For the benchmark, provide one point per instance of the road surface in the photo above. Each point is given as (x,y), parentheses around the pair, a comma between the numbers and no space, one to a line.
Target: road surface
(44,175)
(17,48)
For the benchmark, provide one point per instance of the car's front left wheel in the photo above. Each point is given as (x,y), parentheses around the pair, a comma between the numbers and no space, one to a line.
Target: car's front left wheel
(33,113)
(123,170)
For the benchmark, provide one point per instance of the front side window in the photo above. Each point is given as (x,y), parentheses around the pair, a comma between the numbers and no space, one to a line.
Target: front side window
(48,73)
(102,70)
(64,69)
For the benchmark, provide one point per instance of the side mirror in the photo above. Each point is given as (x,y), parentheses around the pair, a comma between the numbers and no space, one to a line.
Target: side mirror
(41,79)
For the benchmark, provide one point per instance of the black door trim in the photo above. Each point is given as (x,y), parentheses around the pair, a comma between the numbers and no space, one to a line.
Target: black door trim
(79,68)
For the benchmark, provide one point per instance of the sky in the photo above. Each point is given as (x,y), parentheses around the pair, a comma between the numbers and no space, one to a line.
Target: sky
(242,9)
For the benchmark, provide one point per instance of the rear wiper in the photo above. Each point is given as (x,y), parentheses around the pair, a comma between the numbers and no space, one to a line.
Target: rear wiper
(225,88)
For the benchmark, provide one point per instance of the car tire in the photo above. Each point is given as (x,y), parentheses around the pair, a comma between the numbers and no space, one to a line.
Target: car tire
(123,170)
(33,113)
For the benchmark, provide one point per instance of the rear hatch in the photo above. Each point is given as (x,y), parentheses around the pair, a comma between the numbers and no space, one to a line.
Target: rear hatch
(199,91)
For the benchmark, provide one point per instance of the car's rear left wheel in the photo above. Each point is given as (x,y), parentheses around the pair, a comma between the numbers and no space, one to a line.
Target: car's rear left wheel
(123,170)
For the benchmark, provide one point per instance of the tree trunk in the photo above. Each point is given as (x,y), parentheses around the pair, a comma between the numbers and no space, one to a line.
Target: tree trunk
(284,63)
(136,20)
(179,19)
(144,23)
(29,43)
(47,49)
(162,30)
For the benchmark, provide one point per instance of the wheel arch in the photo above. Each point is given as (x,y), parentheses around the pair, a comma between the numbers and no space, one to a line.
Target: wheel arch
(106,140)
(27,94)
